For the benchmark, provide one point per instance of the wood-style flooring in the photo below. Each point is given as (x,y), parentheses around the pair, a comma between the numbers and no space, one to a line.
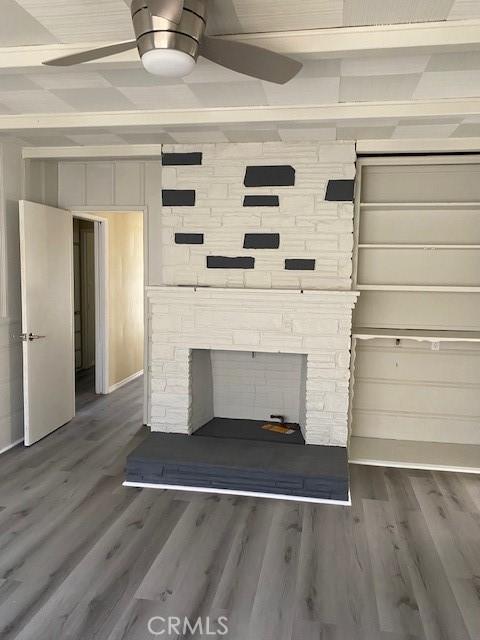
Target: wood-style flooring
(83,558)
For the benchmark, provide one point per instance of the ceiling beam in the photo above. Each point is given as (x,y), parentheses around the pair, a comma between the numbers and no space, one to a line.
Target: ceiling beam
(445,145)
(426,36)
(321,114)
(364,147)
(138,151)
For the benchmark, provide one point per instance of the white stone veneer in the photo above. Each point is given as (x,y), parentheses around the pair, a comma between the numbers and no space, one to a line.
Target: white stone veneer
(315,323)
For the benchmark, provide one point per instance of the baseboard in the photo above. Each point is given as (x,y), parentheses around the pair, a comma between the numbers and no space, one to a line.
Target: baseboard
(122,383)
(10,446)
(230,492)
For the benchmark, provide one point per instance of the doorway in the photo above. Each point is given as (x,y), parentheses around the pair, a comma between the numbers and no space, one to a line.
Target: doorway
(90,307)
(109,301)
(84,310)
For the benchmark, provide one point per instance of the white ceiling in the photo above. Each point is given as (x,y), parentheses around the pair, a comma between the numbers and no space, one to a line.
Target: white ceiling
(126,87)
(26,22)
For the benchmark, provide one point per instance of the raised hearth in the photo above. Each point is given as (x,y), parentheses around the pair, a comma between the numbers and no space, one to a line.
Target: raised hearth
(240,466)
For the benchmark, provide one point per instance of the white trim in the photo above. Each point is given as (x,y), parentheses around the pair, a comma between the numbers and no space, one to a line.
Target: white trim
(113,151)
(230,492)
(423,247)
(3,239)
(418,145)
(367,462)
(125,381)
(343,111)
(101,300)
(11,446)
(413,287)
(416,37)
(399,160)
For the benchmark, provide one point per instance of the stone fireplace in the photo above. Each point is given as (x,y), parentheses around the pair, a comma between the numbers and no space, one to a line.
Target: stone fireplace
(252,318)
(312,328)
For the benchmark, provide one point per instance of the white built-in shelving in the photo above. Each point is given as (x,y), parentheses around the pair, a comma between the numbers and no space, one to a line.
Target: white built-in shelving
(420,335)
(417,263)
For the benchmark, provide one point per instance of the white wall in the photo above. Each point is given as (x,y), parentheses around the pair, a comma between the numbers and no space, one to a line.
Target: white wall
(11,403)
(126,317)
(123,184)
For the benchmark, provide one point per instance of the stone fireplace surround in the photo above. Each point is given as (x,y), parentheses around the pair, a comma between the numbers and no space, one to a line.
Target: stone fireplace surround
(315,323)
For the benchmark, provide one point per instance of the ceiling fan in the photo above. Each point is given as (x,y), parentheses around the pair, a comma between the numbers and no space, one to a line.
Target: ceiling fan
(170,36)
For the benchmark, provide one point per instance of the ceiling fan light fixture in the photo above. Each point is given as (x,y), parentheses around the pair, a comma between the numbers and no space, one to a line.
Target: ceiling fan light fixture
(169,63)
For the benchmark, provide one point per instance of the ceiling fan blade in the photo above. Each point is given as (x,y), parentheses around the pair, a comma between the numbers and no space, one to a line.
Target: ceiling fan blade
(251,60)
(92,54)
(171,10)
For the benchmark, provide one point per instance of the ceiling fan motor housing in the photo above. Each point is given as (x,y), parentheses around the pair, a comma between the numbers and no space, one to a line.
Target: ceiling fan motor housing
(157,33)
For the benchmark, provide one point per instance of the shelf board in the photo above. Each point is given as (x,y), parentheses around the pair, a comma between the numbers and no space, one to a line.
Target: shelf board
(408,454)
(408,287)
(428,205)
(420,335)
(417,246)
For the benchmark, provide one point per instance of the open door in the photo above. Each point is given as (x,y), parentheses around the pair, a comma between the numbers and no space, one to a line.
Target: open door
(46,250)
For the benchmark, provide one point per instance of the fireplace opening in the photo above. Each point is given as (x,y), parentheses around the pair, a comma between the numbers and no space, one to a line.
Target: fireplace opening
(249,395)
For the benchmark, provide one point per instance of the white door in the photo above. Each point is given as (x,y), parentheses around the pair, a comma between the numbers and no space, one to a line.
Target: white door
(46,249)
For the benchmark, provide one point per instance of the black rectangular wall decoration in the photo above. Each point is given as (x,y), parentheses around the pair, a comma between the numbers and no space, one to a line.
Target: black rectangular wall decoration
(296,264)
(189,238)
(261,201)
(178,197)
(178,159)
(277,176)
(261,241)
(220,262)
(340,190)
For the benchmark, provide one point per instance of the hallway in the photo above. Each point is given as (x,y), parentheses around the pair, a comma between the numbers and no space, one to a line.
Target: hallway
(83,558)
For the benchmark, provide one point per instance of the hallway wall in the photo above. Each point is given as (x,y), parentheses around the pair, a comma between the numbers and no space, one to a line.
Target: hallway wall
(126,280)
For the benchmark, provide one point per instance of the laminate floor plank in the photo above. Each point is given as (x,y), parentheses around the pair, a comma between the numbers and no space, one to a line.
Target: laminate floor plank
(441,524)
(472,487)
(316,584)
(451,622)
(396,604)
(87,597)
(353,576)
(239,581)
(368,483)
(84,558)
(42,571)
(455,492)
(272,614)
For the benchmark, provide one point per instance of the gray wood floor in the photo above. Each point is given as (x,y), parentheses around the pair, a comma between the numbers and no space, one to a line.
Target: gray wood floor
(82,558)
